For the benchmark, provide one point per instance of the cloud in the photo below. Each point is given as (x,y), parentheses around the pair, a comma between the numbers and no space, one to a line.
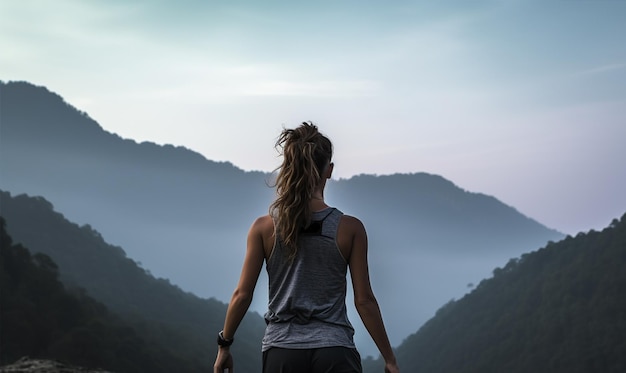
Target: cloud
(603,69)
(311,88)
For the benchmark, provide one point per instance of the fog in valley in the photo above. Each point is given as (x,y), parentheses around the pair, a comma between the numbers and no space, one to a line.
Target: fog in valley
(185,218)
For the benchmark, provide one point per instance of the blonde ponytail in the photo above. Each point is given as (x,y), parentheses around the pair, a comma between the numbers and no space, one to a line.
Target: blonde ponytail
(306,154)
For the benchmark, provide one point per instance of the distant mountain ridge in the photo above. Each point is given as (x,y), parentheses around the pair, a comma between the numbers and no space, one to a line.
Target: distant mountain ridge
(185,217)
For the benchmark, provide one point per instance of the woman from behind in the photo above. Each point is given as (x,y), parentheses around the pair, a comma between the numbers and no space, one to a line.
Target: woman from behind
(307,247)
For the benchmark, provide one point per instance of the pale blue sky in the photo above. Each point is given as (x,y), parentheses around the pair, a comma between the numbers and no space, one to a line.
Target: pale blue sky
(523,100)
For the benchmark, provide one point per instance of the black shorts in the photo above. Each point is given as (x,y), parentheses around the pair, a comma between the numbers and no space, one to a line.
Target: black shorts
(315,360)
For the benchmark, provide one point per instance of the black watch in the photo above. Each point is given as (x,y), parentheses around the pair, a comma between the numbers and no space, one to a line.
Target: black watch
(223,342)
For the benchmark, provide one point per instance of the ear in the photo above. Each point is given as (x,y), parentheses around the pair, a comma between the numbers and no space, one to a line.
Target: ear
(329,172)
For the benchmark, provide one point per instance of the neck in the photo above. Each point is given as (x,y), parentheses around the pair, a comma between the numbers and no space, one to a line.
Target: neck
(317,204)
(317,200)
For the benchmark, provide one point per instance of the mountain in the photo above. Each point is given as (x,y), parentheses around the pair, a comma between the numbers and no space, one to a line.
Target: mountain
(559,309)
(185,218)
(179,322)
(40,317)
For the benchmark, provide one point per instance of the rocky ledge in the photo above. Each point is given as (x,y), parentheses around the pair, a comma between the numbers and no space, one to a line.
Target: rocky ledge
(28,365)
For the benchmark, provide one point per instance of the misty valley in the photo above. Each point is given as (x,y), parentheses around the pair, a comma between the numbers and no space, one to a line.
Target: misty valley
(122,255)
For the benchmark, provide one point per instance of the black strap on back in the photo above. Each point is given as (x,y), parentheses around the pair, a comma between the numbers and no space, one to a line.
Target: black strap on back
(315,228)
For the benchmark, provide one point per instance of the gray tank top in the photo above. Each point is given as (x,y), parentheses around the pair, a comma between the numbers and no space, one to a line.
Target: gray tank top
(307,297)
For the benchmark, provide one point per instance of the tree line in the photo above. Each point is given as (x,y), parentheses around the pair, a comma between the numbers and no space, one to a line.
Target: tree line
(559,309)
(158,312)
(42,318)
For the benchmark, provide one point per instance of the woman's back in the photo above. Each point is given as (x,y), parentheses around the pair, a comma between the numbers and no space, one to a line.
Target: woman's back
(307,248)
(307,292)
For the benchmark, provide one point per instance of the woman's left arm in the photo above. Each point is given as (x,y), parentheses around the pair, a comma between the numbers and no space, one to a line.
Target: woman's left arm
(242,296)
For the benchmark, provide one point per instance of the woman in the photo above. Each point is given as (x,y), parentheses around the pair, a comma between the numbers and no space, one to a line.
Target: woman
(307,247)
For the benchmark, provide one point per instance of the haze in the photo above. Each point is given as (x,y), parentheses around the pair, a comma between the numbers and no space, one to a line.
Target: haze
(522,100)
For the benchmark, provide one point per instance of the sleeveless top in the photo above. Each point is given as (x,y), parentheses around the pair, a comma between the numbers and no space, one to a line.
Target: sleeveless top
(307,296)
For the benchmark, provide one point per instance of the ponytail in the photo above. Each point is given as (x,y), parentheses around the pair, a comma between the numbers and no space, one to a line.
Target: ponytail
(306,154)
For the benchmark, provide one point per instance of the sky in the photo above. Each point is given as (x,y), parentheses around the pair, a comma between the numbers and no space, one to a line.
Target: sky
(521,100)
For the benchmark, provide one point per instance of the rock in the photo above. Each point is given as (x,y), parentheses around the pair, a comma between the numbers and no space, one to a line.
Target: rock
(28,365)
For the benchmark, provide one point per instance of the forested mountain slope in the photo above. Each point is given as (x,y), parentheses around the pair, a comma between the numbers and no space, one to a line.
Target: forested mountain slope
(41,318)
(178,320)
(559,309)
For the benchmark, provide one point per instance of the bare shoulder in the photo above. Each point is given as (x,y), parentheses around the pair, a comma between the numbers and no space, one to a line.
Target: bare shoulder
(351,235)
(352,224)
(263,226)
(263,223)
(262,231)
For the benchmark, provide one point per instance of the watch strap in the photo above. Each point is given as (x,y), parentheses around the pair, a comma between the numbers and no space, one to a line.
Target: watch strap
(221,341)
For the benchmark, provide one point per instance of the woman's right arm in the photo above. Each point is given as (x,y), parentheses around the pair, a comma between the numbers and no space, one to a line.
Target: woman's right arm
(242,296)
(364,299)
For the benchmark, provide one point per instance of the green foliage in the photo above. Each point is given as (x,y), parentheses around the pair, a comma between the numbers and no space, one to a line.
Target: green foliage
(559,309)
(40,318)
(160,314)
